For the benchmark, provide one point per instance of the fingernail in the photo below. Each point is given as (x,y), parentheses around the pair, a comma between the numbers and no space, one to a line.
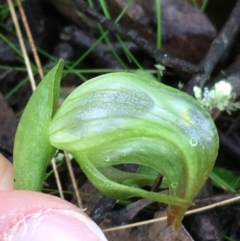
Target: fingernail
(54,225)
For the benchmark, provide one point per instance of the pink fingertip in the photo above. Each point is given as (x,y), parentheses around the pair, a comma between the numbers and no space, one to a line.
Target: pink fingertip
(52,225)
(26,216)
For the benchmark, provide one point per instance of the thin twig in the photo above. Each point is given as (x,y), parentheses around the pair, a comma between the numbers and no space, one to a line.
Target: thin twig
(197,210)
(59,185)
(73,179)
(22,45)
(30,38)
(224,39)
(132,35)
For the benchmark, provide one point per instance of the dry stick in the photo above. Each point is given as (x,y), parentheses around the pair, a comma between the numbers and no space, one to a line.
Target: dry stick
(134,37)
(30,38)
(72,176)
(22,45)
(57,178)
(224,39)
(197,210)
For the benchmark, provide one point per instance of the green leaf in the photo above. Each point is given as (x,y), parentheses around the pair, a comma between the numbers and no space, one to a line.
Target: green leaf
(123,118)
(225,179)
(32,149)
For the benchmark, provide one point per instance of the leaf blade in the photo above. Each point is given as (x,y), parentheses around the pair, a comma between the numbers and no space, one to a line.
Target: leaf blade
(32,149)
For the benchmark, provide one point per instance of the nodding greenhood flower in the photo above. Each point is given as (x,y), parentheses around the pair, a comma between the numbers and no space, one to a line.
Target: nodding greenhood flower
(124,118)
(220,96)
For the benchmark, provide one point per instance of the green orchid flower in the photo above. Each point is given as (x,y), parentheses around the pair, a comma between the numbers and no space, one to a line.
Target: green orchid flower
(121,118)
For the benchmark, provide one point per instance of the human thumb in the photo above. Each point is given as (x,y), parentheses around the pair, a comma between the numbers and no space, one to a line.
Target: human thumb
(28,216)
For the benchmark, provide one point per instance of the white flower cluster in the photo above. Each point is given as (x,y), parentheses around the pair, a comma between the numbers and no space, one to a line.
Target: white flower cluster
(219,96)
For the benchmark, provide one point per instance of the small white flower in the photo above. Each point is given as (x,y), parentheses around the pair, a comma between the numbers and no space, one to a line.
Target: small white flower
(223,88)
(220,96)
